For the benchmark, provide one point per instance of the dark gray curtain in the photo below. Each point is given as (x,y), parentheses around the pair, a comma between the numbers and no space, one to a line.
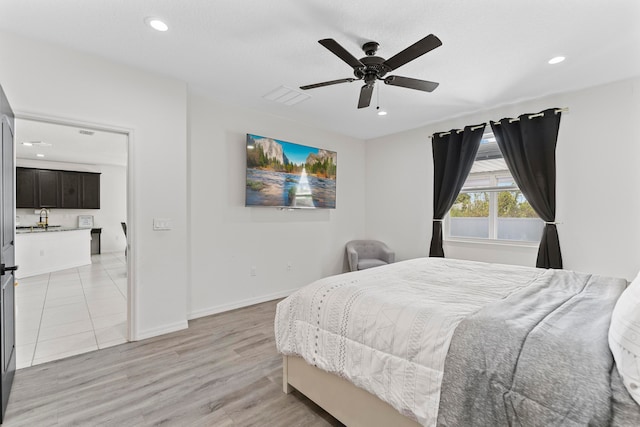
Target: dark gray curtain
(529,149)
(453,156)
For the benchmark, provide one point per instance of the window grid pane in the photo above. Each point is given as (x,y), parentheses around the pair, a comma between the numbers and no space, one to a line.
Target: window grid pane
(491,206)
(469,216)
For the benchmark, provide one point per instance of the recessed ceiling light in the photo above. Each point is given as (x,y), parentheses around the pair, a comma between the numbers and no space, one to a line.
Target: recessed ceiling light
(156,24)
(36,143)
(382,113)
(39,155)
(557,60)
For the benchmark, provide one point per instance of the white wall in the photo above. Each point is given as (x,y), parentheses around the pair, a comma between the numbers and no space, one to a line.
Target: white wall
(47,80)
(597,183)
(113,203)
(113,208)
(227,238)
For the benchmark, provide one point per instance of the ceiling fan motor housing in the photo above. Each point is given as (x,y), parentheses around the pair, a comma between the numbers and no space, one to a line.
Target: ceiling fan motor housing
(373,66)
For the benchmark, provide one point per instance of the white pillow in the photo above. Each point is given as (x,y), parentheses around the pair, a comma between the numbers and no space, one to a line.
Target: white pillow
(624,337)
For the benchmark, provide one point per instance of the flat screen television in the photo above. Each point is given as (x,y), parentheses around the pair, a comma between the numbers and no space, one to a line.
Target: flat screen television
(287,175)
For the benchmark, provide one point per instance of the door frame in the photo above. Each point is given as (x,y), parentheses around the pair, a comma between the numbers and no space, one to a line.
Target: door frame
(132,294)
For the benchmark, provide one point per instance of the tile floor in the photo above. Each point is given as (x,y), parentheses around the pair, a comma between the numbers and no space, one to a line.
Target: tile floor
(72,311)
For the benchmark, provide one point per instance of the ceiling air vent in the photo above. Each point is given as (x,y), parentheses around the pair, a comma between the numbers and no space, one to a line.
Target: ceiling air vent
(287,96)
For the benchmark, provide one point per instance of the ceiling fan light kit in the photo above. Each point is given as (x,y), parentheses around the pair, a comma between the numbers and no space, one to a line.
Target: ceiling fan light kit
(371,67)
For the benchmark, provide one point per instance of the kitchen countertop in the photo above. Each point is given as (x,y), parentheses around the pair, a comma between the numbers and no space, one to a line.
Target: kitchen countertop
(34,229)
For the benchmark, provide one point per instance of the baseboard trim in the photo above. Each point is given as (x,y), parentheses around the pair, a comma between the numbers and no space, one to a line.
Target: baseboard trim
(113,251)
(165,329)
(239,304)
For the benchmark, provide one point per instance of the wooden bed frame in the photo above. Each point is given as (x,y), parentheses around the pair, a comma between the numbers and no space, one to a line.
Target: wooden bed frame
(349,404)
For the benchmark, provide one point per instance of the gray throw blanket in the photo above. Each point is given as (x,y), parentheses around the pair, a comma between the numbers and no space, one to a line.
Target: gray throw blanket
(540,357)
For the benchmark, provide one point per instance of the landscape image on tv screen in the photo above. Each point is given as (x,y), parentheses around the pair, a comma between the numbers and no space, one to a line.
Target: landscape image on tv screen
(284,174)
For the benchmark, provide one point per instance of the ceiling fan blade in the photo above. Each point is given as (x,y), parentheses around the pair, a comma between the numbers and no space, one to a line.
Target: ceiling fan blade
(410,83)
(417,49)
(331,82)
(365,96)
(341,53)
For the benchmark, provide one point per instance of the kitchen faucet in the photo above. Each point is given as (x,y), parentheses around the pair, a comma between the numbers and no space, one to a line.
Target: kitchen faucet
(44,224)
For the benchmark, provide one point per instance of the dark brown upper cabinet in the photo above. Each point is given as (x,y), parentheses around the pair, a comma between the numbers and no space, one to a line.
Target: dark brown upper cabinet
(70,182)
(48,189)
(26,187)
(90,198)
(44,188)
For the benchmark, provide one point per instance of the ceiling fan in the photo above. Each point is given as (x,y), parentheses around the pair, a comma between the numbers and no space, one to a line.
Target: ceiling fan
(371,67)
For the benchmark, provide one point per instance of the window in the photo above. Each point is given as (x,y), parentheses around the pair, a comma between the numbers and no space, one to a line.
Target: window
(490,205)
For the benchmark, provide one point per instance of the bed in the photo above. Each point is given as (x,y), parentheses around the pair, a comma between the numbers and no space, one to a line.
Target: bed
(435,341)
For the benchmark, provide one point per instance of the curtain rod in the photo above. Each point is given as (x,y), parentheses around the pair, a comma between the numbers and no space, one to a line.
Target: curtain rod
(559,110)
(459,130)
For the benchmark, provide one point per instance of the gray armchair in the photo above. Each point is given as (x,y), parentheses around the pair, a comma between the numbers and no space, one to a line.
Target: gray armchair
(368,253)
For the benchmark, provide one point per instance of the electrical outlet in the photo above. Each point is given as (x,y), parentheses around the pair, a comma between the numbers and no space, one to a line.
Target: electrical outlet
(253,271)
(41,252)
(289,266)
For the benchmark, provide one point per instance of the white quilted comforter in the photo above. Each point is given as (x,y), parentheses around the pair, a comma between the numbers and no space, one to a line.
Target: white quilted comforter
(388,329)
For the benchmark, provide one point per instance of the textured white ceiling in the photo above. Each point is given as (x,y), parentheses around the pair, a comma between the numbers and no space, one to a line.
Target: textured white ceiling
(67,144)
(494,51)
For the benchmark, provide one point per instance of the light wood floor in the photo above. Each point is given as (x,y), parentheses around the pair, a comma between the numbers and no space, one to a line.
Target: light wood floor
(222,371)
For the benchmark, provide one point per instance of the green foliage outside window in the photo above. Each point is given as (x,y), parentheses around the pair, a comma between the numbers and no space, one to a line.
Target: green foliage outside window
(471,205)
(511,204)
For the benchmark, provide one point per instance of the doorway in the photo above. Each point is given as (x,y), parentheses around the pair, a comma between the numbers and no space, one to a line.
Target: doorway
(73,296)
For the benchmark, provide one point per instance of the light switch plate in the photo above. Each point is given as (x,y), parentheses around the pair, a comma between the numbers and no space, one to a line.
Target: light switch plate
(160,224)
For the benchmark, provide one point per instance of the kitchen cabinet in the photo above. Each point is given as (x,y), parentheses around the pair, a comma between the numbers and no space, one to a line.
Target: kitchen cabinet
(90,190)
(37,188)
(26,188)
(70,186)
(48,189)
(44,188)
